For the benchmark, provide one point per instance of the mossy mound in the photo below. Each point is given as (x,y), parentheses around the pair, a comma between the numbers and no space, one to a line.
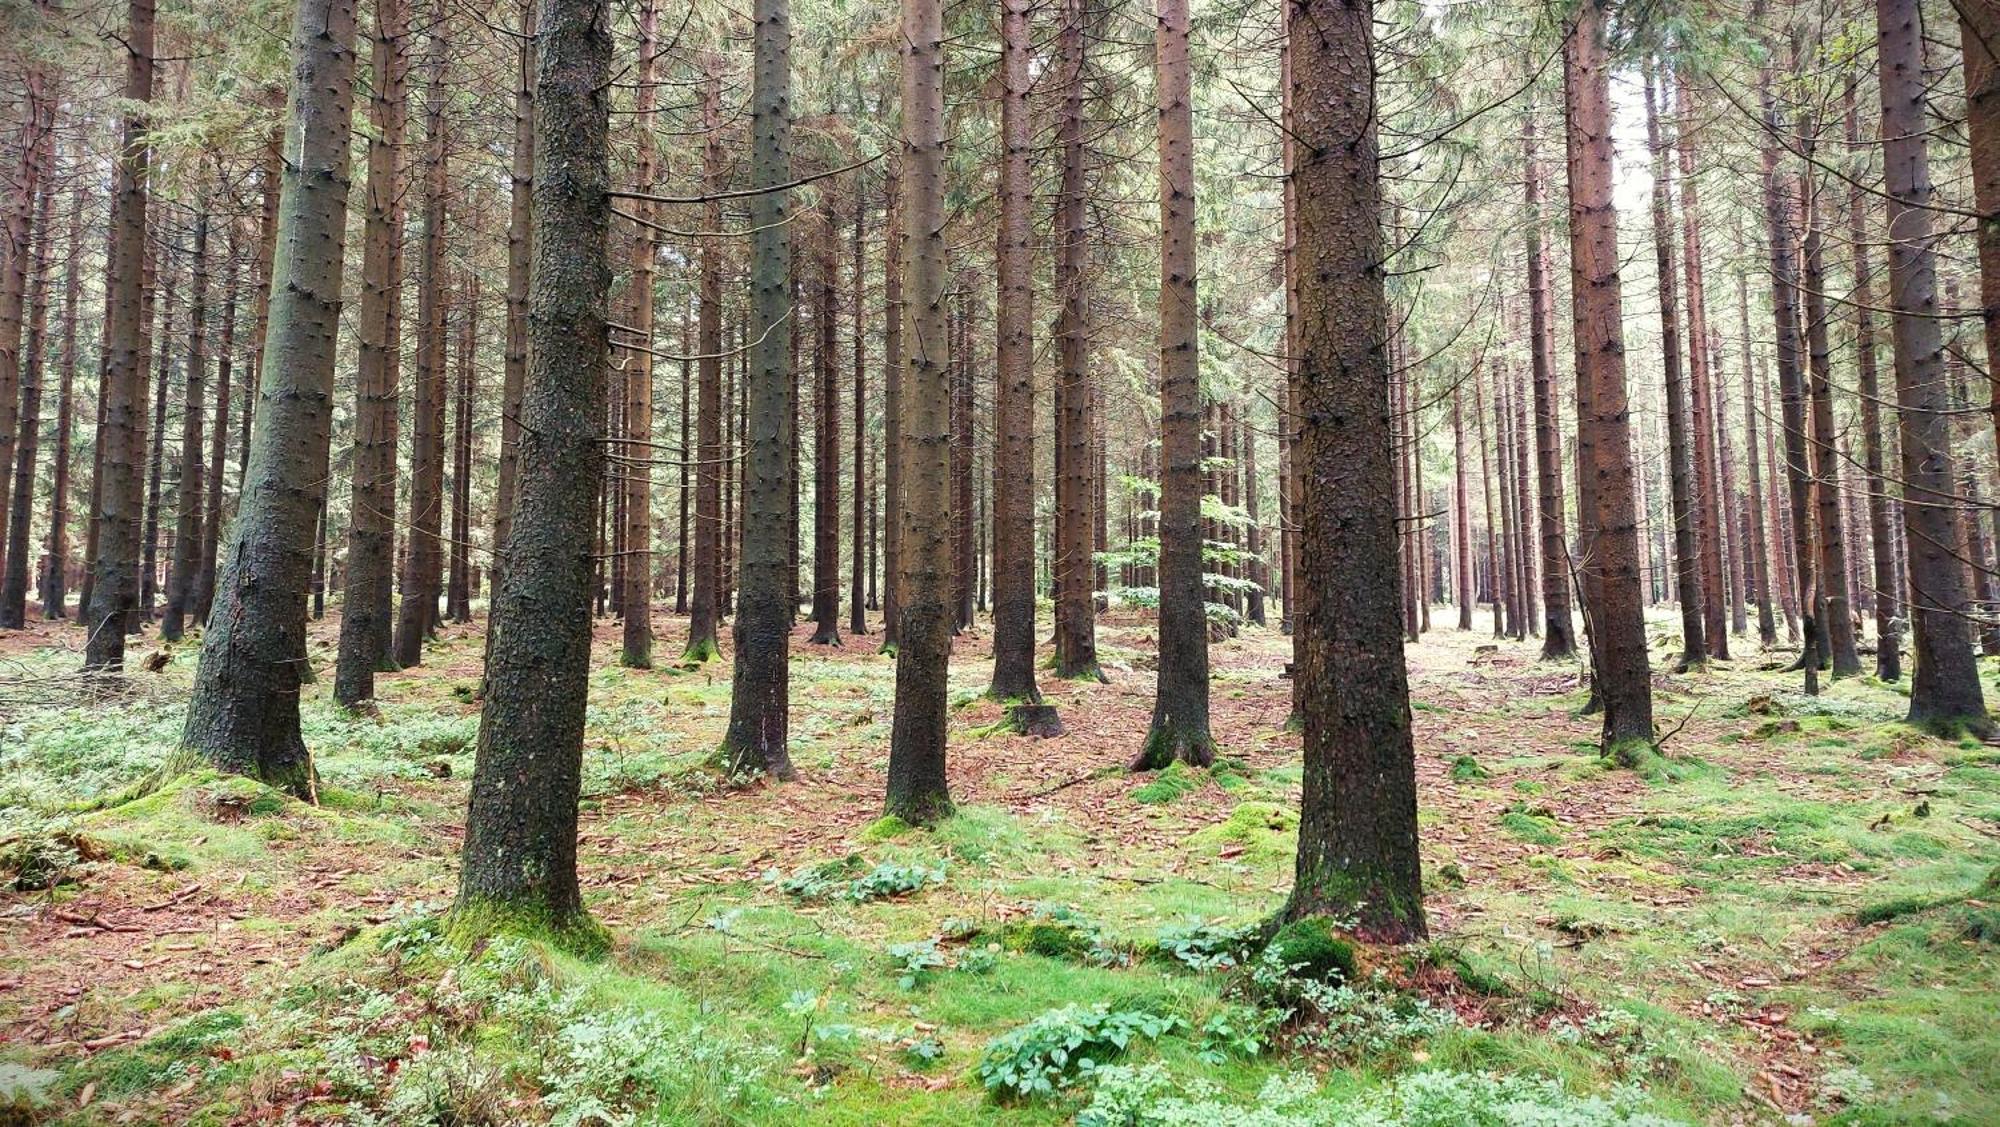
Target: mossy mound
(1170,784)
(1265,830)
(1314,950)
(1053,938)
(1466,769)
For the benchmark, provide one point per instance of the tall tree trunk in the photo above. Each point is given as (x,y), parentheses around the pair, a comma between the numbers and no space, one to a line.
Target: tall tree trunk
(244,715)
(826,434)
(1357,855)
(858,510)
(1254,567)
(188,493)
(1753,517)
(1495,581)
(1076,624)
(917,788)
(965,435)
(368,607)
(159,346)
(758,704)
(20,518)
(1780,218)
(55,573)
(1526,518)
(1710,507)
(1888,592)
(520,258)
(635,473)
(1945,690)
(465,389)
(893,361)
(1688,575)
(37,151)
(423,561)
(1180,703)
(708,580)
(1014,402)
(1623,681)
(1461,509)
(118,501)
(1837,623)
(520,829)
(218,441)
(1979,38)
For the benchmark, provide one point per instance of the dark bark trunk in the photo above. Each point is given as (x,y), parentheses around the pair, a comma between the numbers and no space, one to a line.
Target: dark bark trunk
(244,715)
(1888,603)
(893,361)
(19,519)
(117,503)
(218,442)
(1945,690)
(758,706)
(826,436)
(1837,616)
(55,573)
(1753,517)
(704,609)
(1076,624)
(1710,506)
(520,833)
(857,613)
(188,491)
(1623,681)
(520,258)
(917,791)
(1180,728)
(465,389)
(1357,856)
(423,560)
(635,472)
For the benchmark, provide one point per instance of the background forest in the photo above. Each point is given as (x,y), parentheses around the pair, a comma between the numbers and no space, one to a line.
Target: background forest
(1264,563)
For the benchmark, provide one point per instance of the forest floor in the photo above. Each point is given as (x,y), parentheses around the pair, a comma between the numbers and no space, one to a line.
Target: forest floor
(215,953)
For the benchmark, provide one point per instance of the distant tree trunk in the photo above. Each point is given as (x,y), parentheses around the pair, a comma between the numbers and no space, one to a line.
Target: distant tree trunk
(1510,545)
(1888,592)
(826,435)
(1254,569)
(20,518)
(893,361)
(1979,38)
(1288,269)
(1710,508)
(965,435)
(1945,690)
(55,574)
(1780,533)
(1753,517)
(1526,518)
(858,569)
(917,788)
(318,585)
(1837,624)
(188,492)
(1014,402)
(703,609)
(1461,509)
(121,429)
(1180,703)
(1357,856)
(159,345)
(1781,235)
(758,712)
(1623,681)
(1736,555)
(17,257)
(1076,626)
(368,607)
(520,829)
(423,563)
(635,472)
(1687,559)
(465,389)
(520,257)
(244,715)
(1495,583)
(218,443)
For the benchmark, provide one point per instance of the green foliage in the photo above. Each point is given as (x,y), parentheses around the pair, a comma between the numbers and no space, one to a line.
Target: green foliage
(1169,784)
(1150,1096)
(915,961)
(1268,831)
(1531,826)
(1061,1046)
(1466,769)
(1206,946)
(1058,931)
(844,880)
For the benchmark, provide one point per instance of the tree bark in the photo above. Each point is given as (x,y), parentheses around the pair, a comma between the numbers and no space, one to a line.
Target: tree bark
(1076,624)
(1014,403)
(703,608)
(1623,681)
(121,428)
(423,561)
(1710,508)
(19,519)
(1888,592)
(188,491)
(826,435)
(1753,517)
(858,570)
(1461,509)
(1837,623)
(1180,703)
(758,706)
(1945,690)
(244,715)
(520,258)
(368,607)
(218,442)
(1357,856)
(519,861)
(465,390)
(917,789)
(17,258)
(1688,569)
(635,473)
(893,361)
(55,574)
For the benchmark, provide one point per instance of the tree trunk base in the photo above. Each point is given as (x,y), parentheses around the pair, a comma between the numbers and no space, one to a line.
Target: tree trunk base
(1037,720)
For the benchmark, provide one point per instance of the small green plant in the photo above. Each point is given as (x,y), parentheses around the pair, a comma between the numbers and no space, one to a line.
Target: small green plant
(915,961)
(1062,1046)
(1466,769)
(1206,946)
(844,880)
(1237,1031)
